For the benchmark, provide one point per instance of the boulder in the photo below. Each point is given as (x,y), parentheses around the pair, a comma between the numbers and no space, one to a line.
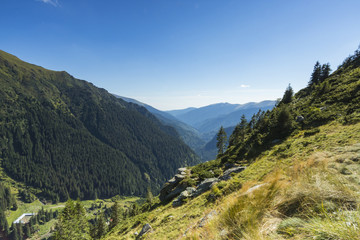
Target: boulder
(207,218)
(181,171)
(179,177)
(167,188)
(300,118)
(205,185)
(171,188)
(227,174)
(146,228)
(187,193)
(173,193)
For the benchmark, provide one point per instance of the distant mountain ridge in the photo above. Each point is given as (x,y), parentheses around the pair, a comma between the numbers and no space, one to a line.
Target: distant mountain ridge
(208,119)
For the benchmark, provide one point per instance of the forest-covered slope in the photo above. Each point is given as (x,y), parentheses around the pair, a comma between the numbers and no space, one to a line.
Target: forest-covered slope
(187,133)
(72,139)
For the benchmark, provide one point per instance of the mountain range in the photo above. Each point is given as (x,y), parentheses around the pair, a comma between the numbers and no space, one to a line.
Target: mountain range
(197,127)
(208,119)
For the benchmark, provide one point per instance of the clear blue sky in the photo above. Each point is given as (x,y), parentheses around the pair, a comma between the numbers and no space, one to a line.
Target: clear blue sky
(174,54)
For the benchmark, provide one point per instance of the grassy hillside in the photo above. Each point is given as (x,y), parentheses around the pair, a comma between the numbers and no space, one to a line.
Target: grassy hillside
(301,179)
(68,138)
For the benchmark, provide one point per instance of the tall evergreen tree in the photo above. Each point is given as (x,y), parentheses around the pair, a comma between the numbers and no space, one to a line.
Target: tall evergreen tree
(72,223)
(101,227)
(288,94)
(320,73)
(238,134)
(325,72)
(316,74)
(221,140)
(115,215)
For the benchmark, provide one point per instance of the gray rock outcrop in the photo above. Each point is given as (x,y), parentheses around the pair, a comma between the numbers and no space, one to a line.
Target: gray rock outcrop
(187,193)
(227,174)
(146,228)
(172,188)
(205,185)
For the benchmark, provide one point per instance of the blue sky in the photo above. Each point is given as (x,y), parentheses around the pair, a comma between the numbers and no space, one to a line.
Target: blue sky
(175,54)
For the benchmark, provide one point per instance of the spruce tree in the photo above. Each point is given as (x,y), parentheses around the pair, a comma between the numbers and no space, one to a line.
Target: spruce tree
(325,72)
(288,94)
(221,140)
(238,134)
(115,215)
(316,74)
(101,227)
(72,223)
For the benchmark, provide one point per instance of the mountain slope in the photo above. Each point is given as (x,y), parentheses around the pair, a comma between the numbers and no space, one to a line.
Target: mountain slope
(300,177)
(68,138)
(187,133)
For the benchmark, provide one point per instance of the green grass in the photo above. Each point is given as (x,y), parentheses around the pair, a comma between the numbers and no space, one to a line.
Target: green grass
(44,230)
(23,208)
(303,184)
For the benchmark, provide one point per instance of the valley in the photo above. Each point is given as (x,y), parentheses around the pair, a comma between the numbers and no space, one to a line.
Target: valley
(287,173)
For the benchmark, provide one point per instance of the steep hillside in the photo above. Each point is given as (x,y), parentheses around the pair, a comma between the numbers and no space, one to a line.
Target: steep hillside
(187,133)
(289,173)
(68,138)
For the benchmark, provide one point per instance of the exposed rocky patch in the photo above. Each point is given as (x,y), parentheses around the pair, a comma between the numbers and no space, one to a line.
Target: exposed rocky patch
(175,187)
(172,188)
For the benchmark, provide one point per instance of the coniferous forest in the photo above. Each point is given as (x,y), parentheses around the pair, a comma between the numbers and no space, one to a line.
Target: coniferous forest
(73,140)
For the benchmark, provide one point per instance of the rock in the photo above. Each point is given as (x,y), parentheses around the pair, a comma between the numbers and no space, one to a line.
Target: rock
(226,176)
(167,191)
(179,177)
(172,188)
(229,165)
(177,203)
(173,193)
(181,171)
(146,228)
(189,192)
(300,119)
(167,188)
(205,185)
(207,218)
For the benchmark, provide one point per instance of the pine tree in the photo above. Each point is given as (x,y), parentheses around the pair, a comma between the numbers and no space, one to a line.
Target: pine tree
(288,94)
(320,73)
(325,72)
(221,140)
(27,231)
(15,232)
(316,74)
(115,215)
(72,223)
(101,227)
(238,134)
